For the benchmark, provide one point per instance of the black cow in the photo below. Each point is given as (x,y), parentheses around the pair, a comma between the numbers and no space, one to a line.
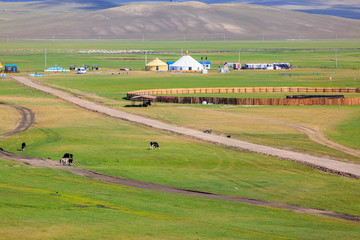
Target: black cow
(23,146)
(228,136)
(154,145)
(208,131)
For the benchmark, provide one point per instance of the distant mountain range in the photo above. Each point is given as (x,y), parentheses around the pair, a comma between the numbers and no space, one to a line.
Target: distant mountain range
(166,21)
(340,8)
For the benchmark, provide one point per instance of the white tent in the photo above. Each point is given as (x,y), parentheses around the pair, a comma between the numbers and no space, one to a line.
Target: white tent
(186,63)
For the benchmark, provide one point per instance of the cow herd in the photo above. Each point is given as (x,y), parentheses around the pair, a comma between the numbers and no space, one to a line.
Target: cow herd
(68,159)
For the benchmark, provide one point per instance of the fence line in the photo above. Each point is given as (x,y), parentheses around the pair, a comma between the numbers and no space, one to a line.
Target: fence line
(251,101)
(243,90)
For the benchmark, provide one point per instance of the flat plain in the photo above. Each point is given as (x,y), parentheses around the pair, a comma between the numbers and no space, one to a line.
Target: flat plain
(52,200)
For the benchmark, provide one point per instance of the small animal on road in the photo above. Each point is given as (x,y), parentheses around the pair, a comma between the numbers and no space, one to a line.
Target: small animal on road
(208,131)
(67,159)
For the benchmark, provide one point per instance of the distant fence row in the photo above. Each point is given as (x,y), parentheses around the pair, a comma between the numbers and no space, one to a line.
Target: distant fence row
(251,101)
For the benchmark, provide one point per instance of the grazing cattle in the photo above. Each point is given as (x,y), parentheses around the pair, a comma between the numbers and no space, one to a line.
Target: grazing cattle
(154,145)
(23,146)
(67,159)
(228,136)
(208,131)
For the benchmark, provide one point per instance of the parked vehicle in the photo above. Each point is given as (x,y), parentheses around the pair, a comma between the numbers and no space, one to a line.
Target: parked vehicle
(81,70)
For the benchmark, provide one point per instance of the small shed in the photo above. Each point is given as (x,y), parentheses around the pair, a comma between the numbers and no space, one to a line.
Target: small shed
(169,63)
(11,69)
(147,100)
(156,65)
(206,64)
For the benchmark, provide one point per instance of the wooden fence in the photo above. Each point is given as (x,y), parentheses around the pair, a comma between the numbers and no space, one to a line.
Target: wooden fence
(178,91)
(251,101)
(260,101)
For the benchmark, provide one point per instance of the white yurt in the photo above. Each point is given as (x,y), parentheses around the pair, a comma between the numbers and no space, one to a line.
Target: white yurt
(186,64)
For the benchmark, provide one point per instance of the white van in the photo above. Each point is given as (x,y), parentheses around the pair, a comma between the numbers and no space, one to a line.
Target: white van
(81,70)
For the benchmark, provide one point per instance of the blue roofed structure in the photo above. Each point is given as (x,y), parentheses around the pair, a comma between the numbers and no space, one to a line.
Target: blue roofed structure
(206,64)
(11,69)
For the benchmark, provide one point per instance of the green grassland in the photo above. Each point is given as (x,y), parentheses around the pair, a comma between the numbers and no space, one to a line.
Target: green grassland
(118,148)
(311,54)
(115,86)
(58,205)
(121,149)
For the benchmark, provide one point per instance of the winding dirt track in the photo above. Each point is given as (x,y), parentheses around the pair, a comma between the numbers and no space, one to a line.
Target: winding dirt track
(321,163)
(28,119)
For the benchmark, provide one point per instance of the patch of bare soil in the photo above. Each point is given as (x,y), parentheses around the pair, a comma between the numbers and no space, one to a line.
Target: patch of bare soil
(28,119)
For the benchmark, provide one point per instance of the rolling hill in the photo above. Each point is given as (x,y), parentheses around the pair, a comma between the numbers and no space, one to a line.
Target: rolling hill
(166,20)
(339,8)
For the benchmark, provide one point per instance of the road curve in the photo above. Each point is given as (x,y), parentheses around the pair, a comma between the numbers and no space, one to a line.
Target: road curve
(26,121)
(321,163)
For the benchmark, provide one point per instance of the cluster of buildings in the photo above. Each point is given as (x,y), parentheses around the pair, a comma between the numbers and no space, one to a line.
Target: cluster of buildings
(267,66)
(185,64)
(188,64)
(9,68)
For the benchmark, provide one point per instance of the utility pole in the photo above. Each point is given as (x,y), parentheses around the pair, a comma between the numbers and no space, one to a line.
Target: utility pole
(145,58)
(45,57)
(335,56)
(239,61)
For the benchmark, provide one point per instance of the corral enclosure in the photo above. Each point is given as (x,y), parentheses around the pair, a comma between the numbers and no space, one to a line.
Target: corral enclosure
(120,148)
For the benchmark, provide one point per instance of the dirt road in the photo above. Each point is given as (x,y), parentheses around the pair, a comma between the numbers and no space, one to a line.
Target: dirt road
(28,119)
(313,134)
(321,163)
(152,186)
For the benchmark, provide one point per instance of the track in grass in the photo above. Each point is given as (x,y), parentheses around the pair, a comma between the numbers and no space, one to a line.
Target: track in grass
(313,134)
(28,119)
(158,187)
(320,163)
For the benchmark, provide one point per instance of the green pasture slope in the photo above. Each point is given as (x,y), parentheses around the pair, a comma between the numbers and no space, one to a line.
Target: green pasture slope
(116,86)
(121,149)
(56,205)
